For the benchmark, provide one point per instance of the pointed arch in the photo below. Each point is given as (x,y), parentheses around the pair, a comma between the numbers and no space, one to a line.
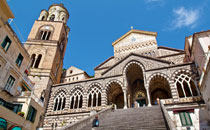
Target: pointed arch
(94,95)
(185,83)
(59,100)
(76,97)
(159,87)
(114,91)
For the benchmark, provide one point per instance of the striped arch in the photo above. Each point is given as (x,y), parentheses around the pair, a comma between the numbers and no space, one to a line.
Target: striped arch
(60,90)
(159,87)
(76,97)
(184,81)
(94,94)
(130,63)
(75,88)
(59,98)
(107,86)
(161,75)
(185,71)
(94,84)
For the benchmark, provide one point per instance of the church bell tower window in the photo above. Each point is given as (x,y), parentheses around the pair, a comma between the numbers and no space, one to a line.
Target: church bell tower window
(38,61)
(43,17)
(44,35)
(52,17)
(33,59)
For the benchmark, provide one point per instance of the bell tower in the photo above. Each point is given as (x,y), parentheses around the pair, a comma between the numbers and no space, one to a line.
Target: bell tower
(46,45)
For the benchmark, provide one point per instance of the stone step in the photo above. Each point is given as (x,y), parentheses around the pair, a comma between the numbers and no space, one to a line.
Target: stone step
(146,118)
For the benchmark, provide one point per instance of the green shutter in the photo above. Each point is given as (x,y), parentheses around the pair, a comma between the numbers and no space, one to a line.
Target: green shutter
(34,115)
(17,108)
(19,59)
(29,113)
(6,43)
(185,118)
(9,83)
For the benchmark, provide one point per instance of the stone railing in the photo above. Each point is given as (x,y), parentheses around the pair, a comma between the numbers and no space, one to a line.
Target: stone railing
(168,120)
(86,121)
(28,81)
(183,100)
(25,94)
(80,110)
(190,99)
(40,102)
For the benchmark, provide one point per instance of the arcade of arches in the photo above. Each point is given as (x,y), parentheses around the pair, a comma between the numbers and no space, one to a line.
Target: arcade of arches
(136,92)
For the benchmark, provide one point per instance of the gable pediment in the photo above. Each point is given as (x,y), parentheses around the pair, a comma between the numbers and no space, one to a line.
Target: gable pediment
(148,63)
(134,36)
(135,40)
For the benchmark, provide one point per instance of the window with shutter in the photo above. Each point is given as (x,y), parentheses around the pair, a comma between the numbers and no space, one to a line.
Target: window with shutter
(6,43)
(19,60)
(185,118)
(31,114)
(9,83)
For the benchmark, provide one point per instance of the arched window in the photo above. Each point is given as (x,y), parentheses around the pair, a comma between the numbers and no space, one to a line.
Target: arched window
(63,19)
(44,35)
(94,97)
(43,17)
(52,17)
(76,99)
(59,101)
(38,61)
(33,56)
(185,86)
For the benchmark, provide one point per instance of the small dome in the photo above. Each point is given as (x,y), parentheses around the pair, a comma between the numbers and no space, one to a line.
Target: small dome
(43,15)
(57,12)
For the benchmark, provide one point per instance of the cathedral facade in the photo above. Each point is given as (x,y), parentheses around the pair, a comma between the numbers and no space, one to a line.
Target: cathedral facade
(138,74)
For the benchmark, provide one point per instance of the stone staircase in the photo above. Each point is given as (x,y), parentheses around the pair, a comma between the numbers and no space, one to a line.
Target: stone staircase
(145,118)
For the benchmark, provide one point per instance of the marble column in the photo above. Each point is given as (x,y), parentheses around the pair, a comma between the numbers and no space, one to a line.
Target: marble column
(125,99)
(148,96)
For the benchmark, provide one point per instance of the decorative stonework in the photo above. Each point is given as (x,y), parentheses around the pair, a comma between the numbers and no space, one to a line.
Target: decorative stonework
(158,75)
(112,81)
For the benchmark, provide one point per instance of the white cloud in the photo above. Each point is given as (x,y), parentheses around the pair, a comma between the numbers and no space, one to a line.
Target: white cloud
(149,1)
(185,18)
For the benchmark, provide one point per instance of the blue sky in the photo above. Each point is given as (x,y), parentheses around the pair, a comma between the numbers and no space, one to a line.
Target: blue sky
(95,24)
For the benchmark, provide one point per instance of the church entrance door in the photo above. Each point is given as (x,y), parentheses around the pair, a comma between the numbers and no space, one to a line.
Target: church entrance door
(136,89)
(141,102)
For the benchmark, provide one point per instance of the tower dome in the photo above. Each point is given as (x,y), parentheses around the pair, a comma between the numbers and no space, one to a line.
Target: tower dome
(57,12)
(43,15)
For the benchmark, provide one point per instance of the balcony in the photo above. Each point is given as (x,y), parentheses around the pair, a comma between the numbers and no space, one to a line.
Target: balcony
(39,101)
(14,119)
(28,82)
(23,97)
